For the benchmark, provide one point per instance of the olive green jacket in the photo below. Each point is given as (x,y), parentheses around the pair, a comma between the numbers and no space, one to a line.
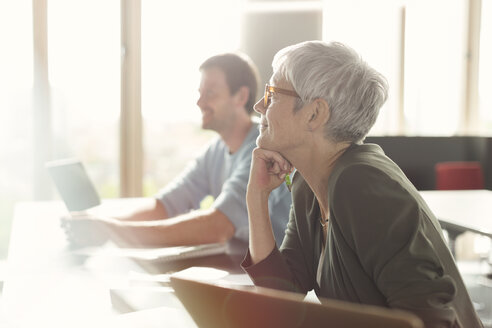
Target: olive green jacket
(384,245)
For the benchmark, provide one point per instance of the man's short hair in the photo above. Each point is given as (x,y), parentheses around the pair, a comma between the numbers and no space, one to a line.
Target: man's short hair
(239,71)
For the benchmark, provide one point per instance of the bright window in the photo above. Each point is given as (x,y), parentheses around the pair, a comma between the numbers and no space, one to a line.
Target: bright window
(175,41)
(16,78)
(432,70)
(372,28)
(84,72)
(485,66)
(434,62)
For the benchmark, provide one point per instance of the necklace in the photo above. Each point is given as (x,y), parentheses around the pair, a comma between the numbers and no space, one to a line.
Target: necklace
(323,222)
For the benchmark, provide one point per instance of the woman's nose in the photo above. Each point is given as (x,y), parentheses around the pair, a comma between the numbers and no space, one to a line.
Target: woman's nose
(259,108)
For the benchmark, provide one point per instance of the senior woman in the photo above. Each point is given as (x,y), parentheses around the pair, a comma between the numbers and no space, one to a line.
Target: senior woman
(358,229)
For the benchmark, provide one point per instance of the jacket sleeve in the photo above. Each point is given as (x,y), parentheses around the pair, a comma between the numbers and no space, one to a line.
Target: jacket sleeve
(288,268)
(278,271)
(394,239)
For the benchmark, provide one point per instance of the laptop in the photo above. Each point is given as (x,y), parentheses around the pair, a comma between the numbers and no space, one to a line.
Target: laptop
(73,184)
(220,306)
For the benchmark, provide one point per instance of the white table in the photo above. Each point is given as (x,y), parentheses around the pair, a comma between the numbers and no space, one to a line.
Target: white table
(459,211)
(47,285)
(462,210)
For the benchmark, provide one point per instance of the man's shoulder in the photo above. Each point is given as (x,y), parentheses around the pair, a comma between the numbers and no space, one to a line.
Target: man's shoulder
(216,145)
(249,142)
(252,135)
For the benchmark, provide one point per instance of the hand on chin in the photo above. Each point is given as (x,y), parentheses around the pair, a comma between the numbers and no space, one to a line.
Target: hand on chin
(264,143)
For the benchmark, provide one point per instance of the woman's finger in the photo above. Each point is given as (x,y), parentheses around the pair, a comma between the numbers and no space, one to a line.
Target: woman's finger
(275,169)
(273,157)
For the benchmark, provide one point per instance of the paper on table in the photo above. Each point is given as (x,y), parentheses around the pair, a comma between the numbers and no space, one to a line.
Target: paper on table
(157,254)
(199,273)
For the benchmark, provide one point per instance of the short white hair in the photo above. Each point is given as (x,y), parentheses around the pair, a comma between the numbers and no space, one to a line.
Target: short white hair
(336,73)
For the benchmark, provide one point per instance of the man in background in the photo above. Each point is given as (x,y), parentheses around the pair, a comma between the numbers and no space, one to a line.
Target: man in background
(227,94)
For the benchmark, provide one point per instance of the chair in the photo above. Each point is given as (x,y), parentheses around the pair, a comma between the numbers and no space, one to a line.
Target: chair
(459,176)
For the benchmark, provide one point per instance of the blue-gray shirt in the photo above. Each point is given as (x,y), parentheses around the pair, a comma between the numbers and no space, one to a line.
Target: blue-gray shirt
(224,176)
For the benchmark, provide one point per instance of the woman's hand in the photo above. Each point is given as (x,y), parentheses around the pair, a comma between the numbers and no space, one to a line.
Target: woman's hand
(268,171)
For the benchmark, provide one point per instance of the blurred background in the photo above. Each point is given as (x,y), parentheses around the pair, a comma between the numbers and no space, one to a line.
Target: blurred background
(114,83)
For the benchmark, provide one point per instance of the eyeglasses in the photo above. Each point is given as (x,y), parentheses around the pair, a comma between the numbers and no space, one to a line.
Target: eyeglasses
(269,91)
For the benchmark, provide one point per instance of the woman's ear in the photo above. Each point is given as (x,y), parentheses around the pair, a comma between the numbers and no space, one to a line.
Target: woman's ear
(318,114)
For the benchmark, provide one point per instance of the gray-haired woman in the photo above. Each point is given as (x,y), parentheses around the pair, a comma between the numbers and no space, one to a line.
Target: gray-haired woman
(358,229)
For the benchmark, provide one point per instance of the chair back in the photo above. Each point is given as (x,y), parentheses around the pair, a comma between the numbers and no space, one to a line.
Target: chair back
(459,176)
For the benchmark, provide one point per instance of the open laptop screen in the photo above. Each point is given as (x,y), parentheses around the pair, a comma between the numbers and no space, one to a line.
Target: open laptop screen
(73,184)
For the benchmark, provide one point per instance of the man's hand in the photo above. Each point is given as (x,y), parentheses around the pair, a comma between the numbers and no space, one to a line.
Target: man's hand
(268,170)
(86,230)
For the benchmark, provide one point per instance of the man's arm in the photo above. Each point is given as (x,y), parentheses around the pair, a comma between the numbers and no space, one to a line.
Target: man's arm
(91,228)
(150,209)
(197,227)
